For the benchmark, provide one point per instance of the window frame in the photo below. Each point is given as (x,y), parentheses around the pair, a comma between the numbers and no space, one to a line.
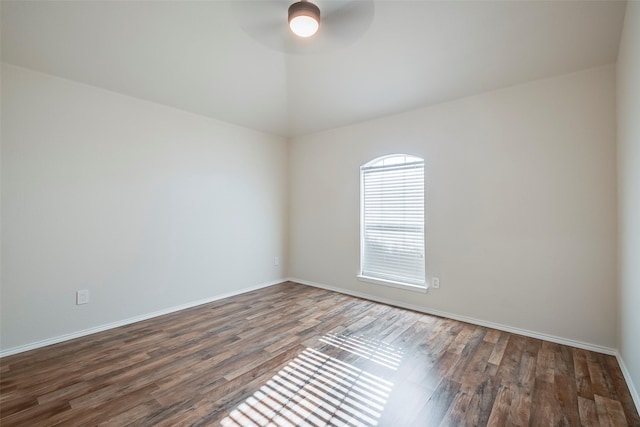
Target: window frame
(379,163)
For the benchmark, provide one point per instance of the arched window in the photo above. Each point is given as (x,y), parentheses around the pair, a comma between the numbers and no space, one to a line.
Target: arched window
(392,221)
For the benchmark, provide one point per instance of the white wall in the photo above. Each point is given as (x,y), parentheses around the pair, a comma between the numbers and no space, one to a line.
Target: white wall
(521,205)
(146,206)
(629,192)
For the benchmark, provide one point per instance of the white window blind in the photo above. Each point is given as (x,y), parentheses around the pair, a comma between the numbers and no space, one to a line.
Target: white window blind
(392,223)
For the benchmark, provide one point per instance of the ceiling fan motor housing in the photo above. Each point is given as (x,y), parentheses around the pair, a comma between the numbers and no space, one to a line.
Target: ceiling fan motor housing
(304,8)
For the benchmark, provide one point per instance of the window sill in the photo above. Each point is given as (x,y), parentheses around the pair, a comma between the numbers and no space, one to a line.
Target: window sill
(391,283)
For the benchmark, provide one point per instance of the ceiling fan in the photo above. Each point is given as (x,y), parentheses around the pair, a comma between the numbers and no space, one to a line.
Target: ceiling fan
(338,23)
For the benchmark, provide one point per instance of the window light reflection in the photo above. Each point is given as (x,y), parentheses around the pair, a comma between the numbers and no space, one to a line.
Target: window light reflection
(316,390)
(374,350)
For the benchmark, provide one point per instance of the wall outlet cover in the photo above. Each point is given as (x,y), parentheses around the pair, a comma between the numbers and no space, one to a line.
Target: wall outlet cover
(82,297)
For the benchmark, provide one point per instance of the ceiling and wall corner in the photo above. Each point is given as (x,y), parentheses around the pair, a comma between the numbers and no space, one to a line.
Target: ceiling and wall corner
(198,56)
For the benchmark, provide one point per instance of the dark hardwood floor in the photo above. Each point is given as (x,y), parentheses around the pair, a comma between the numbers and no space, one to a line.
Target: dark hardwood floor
(294,355)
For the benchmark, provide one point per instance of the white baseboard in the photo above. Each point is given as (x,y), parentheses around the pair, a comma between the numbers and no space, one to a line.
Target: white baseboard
(101,328)
(627,377)
(511,329)
(586,346)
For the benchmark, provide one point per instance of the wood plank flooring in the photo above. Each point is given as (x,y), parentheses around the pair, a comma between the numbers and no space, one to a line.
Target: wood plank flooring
(294,355)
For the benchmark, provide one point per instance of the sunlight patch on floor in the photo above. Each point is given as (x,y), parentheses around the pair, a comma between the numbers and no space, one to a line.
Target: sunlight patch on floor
(316,390)
(374,350)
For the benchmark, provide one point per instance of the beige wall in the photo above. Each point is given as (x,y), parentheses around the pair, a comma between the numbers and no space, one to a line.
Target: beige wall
(149,207)
(520,205)
(146,206)
(629,193)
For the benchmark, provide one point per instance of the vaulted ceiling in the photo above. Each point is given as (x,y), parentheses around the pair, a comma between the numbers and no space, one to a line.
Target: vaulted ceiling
(207,57)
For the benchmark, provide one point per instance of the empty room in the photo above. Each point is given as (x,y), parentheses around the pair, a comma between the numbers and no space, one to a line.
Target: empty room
(320,213)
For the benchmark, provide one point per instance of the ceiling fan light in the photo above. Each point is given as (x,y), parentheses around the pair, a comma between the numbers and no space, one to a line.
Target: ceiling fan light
(304,18)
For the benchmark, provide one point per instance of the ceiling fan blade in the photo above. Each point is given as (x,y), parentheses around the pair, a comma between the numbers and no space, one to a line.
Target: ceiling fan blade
(265,21)
(341,23)
(347,21)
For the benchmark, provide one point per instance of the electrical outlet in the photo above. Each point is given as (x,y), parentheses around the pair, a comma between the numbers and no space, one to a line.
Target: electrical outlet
(276,260)
(82,296)
(435,283)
